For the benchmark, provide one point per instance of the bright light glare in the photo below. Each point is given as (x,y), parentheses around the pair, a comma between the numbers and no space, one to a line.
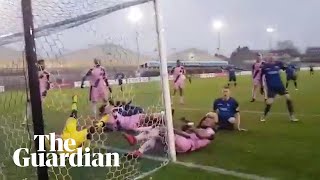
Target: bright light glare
(270,30)
(135,14)
(217,25)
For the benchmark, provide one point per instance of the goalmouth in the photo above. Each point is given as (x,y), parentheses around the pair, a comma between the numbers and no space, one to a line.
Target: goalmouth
(68,35)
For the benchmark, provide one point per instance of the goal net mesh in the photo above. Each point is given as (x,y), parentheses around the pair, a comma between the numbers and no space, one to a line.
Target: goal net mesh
(69,35)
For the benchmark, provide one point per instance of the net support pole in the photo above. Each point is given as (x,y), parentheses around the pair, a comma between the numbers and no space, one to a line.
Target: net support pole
(165,78)
(35,98)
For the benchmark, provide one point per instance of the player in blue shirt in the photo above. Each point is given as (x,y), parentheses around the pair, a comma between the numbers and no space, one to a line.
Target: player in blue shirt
(271,72)
(120,77)
(311,70)
(227,109)
(231,74)
(291,72)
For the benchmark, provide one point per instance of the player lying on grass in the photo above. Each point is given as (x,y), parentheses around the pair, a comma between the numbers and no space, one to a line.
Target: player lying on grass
(123,108)
(188,139)
(271,72)
(292,75)
(98,85)
(81,137)
(44,86)
(227,109)
(256,75)
(179,77)
(119,122)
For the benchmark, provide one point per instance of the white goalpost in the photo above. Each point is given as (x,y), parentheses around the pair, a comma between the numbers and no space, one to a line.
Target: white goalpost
(68,36)
(165,78)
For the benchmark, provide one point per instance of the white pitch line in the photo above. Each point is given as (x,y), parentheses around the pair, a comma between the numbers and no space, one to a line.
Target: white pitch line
(223,171)
(191,165)
(247,111)
(146,174)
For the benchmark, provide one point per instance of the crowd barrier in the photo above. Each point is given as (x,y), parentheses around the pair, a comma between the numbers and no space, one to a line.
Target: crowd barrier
(77,84)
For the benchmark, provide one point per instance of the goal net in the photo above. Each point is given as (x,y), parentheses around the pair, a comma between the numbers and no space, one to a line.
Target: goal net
(70,35)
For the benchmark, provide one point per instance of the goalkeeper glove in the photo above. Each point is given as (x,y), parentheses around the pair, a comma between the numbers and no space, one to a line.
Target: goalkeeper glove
(100,124)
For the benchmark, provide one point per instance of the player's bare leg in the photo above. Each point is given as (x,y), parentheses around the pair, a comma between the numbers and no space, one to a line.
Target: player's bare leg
(254,93)
(173,95)
(267,108)
(181,95)
(290,108)
(296,85)
(265,94)
(148,134)
(147,145)
(94,109)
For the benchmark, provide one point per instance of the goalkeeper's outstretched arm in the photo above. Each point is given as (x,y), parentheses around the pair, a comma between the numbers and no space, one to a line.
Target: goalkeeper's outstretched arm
(101,124)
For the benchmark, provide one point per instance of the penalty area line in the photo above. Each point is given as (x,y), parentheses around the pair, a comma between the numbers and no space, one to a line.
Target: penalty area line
(247,111)
(211,169)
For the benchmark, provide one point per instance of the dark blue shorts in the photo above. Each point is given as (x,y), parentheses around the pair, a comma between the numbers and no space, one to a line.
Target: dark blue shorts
(232,78)
(120,82)
(225,124)
(273,91)
(291,78)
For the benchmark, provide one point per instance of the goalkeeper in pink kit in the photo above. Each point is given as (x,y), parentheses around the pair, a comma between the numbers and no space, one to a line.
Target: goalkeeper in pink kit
(256,78)
(99,85)
(178,73)
(44,86)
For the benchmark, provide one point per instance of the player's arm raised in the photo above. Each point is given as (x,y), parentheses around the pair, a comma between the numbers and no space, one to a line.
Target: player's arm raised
(106,80)
(85,77)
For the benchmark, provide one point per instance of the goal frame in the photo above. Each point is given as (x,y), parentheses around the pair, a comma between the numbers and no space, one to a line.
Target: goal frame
(35,99)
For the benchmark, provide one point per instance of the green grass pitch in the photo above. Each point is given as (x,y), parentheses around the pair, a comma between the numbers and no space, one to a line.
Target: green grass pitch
(277,148)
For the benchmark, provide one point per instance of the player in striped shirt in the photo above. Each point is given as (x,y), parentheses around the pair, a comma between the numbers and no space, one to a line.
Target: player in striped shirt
(256,77)
(99,85)
(44,86)
(179,77)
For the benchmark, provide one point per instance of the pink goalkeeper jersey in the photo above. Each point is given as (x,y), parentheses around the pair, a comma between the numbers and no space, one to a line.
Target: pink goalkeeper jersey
(200,143)
(97,76)
(43,80)
(178,72)
(256,70)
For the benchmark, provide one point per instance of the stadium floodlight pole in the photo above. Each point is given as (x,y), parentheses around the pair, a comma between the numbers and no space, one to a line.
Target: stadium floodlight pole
(270,30)
(135,15)
(217,25)
(165,79)
(31,58)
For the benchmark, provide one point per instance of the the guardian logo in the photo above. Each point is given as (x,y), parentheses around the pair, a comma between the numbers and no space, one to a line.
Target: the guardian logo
(61,154)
